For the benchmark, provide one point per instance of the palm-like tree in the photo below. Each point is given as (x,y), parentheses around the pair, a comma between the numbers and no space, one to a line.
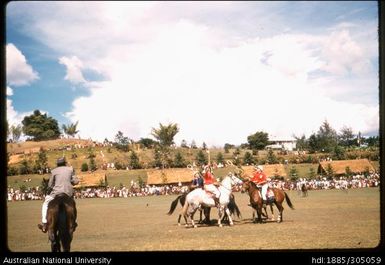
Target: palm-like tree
(165,134)
(70,129)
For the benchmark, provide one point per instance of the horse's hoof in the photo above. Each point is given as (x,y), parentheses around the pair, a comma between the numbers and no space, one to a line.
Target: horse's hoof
(220,225)
(178,224)
(231,224)
(195,226)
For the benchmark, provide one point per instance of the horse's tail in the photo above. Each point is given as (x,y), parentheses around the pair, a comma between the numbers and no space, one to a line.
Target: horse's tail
(233,207)
(288,201)
(174,204)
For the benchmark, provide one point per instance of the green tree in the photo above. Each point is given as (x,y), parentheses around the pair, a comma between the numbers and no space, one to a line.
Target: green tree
(327,137)
(134,161)
(16,132)
(271,157)
(258,140)
(346,136)
(40,126)
(70,129)
(313,143)
(42,161)
(204,146)
(165,136)
(227,147)
(157,158)
(179,161)
(373,141)
(201,158)
(220,158)
(147,142)
(24,167)
(338,153)
(248,159)
(121,142)
(84,167)
(293,173)
(302,143)
(92,164)
(165,133)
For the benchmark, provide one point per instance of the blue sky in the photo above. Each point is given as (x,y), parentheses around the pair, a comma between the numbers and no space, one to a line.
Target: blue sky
(129,65)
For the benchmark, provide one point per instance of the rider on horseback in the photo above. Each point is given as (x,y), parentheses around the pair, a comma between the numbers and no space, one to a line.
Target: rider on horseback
(261,180)
(210,184)
(61,181)
(198,181)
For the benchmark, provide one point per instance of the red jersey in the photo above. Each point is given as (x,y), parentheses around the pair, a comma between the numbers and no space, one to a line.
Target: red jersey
(208,178)
(259,178)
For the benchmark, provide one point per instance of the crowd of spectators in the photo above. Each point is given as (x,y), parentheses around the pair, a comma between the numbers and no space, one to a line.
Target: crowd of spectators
(319,183)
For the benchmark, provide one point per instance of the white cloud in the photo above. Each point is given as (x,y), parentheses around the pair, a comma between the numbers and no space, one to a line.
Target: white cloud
(74,69)
(196,68)
(216,95)
(19,72)
(9,91)
(14,117)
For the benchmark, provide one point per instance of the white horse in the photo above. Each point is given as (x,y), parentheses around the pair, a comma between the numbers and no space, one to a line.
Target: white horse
(199,197)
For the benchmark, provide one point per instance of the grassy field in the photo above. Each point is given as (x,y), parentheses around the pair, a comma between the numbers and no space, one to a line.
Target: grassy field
(328,219)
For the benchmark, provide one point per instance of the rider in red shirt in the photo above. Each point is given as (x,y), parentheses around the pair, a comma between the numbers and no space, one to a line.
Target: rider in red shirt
(209,186)
(261,180)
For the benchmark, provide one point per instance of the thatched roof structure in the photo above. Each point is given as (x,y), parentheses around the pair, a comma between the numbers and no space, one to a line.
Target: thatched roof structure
(169,176)
(93,179)
(339,167)
(274,170)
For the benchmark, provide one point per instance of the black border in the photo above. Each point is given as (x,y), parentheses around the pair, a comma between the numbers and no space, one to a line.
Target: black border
(180,257)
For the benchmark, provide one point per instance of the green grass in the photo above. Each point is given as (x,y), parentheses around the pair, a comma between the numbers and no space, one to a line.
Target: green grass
(326,219)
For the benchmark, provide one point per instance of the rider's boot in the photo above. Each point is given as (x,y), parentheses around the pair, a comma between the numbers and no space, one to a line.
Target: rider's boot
(43,227)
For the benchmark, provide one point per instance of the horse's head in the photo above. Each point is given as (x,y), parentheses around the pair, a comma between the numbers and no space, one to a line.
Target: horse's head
(245,185)
(235,180)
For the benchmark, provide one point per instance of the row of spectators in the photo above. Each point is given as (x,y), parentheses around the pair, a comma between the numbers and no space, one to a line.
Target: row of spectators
(356,181)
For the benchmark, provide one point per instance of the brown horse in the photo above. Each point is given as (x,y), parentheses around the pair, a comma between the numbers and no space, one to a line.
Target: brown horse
(61,217)
(256,200)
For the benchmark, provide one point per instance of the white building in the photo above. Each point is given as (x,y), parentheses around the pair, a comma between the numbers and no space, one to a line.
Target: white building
(287,144)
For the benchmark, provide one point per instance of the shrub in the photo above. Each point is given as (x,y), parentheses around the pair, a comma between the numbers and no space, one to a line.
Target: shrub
(84,167)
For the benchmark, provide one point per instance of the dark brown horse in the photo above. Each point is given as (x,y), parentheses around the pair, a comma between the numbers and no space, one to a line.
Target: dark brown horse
(61,222)
(256,200)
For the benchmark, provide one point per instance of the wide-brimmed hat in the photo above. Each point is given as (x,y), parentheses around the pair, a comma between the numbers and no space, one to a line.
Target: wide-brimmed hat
(61,161)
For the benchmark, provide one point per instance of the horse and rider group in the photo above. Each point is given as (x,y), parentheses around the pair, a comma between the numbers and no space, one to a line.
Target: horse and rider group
(206,192)
(59,208)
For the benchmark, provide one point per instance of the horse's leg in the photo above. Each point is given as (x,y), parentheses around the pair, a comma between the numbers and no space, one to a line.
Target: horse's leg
(272,212)
(229,217)
(280,210)
(220,215)
(207,215)
(266,215)
(259,213)
(191,212)
(180,215)
(52,238)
